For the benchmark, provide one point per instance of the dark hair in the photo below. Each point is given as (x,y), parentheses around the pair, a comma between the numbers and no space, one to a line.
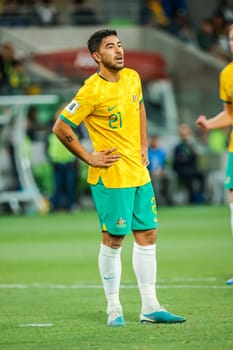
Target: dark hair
(94,41)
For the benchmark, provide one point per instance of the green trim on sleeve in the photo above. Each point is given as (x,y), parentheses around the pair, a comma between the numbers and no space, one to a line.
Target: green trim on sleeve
(68,121)
(227,102)
(140,102)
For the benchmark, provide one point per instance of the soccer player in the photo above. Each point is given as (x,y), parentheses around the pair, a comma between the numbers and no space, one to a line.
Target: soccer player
(222,120)
(110,103)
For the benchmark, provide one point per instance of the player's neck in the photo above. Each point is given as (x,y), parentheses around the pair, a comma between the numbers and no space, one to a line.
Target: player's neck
(111,76)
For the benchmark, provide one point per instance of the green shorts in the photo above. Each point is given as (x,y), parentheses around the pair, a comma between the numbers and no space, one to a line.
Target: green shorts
(228,183)
(121,210)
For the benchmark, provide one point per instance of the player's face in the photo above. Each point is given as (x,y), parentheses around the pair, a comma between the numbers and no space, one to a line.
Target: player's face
(111,54)
(231,40)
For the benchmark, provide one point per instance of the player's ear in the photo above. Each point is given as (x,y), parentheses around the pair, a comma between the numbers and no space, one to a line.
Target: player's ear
(96,56)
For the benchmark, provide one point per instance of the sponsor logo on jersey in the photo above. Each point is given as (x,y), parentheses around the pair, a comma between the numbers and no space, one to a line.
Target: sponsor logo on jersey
(111,108)
(134,98)
(72,107)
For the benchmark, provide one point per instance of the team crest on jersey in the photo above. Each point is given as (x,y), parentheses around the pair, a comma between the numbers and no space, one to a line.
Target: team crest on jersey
(134,98)
(72,107)
(121,222)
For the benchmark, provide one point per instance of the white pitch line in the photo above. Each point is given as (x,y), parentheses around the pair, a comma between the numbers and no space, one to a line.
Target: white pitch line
(36,325)
(189,279)
(98,286)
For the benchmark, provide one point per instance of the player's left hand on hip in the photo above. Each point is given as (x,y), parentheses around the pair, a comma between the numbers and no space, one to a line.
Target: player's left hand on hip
(145,160)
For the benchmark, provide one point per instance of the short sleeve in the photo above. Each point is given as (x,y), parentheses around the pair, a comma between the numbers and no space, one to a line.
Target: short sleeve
(224,90)
(79,108)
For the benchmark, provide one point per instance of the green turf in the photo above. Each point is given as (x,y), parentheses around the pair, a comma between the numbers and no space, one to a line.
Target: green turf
(54,260)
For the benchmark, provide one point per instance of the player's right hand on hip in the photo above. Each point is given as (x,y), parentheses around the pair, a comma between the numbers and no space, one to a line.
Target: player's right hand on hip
(104,159)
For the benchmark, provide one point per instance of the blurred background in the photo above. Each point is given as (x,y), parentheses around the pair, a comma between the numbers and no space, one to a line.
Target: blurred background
(178,47)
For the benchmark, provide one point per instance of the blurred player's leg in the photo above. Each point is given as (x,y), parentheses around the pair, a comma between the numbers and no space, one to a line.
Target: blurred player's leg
(230,281)
(231,211)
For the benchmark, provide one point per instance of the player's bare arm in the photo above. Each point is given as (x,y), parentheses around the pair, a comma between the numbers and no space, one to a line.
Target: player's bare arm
(222,120)
(66,135)
(144,141)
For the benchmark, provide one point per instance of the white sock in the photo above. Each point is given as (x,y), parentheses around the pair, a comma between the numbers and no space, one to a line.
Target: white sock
(144,265)
(110,272)
(231,209)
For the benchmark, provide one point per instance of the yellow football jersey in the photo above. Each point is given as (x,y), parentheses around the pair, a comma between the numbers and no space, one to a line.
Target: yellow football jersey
(111,113)
(226,92)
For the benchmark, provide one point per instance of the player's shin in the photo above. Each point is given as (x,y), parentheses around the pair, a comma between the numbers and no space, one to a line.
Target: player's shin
(144,265)
(110,272)
(231,216)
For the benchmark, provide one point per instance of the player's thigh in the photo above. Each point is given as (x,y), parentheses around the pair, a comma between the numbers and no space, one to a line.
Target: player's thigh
(145,209)
(114,208)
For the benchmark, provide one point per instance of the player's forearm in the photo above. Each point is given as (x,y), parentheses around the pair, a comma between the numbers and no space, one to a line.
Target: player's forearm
(221,120)
(143,127)
(69,139)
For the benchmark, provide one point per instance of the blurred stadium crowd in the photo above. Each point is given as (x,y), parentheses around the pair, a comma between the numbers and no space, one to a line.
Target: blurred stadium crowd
(210,34)
(172,16)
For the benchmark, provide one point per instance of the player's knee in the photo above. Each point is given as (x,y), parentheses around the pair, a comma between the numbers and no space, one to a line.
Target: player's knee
(112,241)
(150,236)
(147,237)
(115,244)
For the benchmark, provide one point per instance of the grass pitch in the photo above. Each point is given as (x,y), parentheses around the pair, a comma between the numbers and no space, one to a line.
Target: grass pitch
(51,296)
